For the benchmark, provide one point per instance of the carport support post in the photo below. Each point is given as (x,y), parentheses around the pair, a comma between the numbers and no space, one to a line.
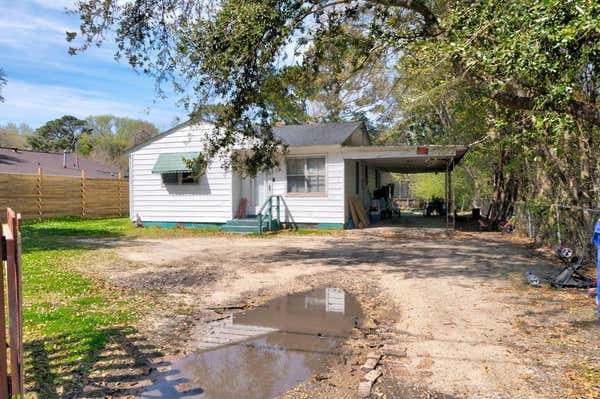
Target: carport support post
(452,199)
(446,185)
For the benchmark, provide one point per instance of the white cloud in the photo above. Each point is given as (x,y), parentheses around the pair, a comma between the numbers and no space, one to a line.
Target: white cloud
(35,49)
(55,4)
(36,104)
(9,22)
(23,29)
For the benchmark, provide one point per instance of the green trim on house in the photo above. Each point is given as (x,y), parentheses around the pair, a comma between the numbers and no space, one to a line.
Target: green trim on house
(227,227)
(173,162)
(184,225)
(321,226)
(333,226)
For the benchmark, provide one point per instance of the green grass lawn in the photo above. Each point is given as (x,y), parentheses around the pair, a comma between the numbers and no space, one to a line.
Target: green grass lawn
(68,318)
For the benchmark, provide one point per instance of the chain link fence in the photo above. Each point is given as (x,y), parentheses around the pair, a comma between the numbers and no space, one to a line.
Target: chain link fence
(555,224)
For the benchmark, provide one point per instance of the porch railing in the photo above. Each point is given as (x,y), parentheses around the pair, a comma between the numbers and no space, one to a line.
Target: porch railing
(267,211)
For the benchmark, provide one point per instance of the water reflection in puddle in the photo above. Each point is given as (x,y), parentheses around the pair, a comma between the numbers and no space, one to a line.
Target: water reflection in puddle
(266,351)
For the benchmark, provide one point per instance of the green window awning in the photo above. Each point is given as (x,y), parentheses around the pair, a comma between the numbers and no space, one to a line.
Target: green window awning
(173,162)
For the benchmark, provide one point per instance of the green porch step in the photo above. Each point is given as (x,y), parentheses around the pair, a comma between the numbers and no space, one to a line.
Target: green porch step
(240,229)
(242,222)
(246,225)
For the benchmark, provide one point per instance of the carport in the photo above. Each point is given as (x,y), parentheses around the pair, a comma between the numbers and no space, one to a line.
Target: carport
(407,160)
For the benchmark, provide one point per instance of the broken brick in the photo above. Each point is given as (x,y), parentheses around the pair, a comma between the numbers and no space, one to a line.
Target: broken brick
(372,376)
(392,350)
(370,364)
(364,389)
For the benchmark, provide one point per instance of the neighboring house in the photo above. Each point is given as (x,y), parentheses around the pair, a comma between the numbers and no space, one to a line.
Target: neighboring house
(325,165)
(27,162)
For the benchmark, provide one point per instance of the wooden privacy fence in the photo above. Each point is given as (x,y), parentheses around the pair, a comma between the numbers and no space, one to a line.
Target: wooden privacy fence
(10,288)
(41,197)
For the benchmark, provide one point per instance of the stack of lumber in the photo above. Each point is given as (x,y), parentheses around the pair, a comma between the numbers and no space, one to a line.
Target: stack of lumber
(358,212)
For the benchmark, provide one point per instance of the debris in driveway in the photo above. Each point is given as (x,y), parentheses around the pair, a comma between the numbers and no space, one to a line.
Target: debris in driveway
(364,388)
(368,324)
(393,350)
(319,377)
(370,364)
(220,309)
(372,376)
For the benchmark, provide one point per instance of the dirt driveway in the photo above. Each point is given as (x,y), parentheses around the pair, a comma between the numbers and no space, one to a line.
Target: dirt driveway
(458,304)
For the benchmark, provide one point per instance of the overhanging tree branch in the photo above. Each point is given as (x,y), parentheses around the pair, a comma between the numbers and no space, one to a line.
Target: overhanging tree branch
(514,97)
(577,109)
(429,18)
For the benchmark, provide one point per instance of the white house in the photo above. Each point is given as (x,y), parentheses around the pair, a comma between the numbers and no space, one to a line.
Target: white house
(324,166)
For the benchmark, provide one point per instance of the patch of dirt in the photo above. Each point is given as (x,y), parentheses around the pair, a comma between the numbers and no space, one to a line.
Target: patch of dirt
(171,278)
(457,303)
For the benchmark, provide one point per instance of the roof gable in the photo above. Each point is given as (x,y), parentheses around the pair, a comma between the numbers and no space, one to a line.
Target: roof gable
(316,133)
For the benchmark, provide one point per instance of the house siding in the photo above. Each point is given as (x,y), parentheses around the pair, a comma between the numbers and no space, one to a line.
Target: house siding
(324,209)
(209,201)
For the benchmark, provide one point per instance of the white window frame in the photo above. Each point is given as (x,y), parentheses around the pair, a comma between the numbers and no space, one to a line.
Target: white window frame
(305,157)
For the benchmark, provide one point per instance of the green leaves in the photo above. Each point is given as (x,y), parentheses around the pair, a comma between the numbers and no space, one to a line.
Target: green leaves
(196,165)
(58,134)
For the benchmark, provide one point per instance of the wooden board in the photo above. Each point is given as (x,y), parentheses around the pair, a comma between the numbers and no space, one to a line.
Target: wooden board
(360,210)
(355,219)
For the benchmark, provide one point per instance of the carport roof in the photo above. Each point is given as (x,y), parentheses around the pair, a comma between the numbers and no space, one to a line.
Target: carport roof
(408,159)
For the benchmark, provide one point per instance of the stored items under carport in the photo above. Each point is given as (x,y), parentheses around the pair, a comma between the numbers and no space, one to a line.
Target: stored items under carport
(359,215)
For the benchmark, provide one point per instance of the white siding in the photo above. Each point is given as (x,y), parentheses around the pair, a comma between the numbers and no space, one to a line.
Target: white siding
(327,208)
(210,201)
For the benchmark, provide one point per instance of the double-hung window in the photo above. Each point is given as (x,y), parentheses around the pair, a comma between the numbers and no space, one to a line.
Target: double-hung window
(306,175)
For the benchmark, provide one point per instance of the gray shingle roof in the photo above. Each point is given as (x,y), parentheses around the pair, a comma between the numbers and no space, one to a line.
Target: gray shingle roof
(316,133)
(293,135)
(27,162)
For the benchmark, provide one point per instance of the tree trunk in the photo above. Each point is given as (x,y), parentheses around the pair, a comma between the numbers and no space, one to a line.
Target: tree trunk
(476,200)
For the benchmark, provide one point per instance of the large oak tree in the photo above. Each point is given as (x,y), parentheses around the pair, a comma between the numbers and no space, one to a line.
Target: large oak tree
(222,55)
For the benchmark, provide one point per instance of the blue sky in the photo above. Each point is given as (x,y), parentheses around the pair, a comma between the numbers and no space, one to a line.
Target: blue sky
(45,82)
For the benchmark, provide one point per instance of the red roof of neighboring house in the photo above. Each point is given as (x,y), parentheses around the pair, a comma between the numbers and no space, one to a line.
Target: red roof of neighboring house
(18,161)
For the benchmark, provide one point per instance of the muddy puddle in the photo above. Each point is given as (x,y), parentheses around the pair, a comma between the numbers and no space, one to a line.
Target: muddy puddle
(265,351)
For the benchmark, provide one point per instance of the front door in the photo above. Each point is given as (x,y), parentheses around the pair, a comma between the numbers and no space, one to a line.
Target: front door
(264,188)
(249,192)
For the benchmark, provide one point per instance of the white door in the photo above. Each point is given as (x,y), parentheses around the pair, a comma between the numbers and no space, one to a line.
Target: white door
(249,192)
(264,188)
